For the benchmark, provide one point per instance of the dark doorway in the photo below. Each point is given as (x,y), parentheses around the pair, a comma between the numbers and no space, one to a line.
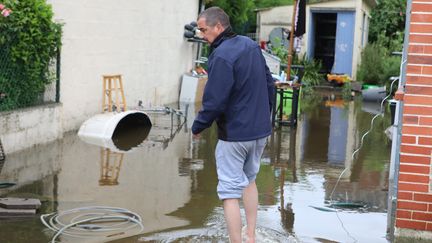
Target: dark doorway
(325,39)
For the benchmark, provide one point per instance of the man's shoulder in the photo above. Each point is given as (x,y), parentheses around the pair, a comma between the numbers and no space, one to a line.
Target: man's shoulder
(244,39)
(234,47)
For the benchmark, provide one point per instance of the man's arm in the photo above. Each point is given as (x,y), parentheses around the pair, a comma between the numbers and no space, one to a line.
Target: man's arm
(216,94)
(270,87)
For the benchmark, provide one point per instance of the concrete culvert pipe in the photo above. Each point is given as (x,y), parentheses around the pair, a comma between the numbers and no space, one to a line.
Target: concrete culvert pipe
(117,131)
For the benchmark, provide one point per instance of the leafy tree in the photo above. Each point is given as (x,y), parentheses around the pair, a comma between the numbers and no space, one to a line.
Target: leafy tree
(386,34)
(272,3)
(388,23)
(377,65)
(242,12)
(238,11)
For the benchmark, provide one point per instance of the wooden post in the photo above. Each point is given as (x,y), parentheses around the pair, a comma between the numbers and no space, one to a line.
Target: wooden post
(291,43)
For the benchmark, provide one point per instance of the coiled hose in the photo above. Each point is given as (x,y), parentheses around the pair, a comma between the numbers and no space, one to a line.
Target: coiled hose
(93,221)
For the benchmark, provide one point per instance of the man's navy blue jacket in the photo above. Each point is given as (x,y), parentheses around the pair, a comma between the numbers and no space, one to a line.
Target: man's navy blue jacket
(239,91)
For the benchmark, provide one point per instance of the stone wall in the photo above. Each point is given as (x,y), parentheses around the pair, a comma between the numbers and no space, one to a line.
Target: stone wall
(24,128)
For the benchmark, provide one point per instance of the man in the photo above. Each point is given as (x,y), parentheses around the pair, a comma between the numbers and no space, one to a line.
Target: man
(238,96)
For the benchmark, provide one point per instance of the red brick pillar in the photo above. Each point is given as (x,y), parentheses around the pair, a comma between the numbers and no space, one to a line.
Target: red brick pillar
(414,203)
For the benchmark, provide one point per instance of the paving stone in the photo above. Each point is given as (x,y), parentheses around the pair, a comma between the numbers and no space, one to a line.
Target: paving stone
(19,203)
(16,212)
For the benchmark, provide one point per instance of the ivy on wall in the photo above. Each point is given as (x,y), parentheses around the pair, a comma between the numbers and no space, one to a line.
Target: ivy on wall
(29,40)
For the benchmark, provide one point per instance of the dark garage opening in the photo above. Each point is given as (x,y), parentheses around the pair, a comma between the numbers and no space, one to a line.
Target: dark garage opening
(325,39)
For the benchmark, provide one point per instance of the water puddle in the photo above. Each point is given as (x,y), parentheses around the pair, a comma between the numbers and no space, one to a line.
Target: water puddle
(169,180)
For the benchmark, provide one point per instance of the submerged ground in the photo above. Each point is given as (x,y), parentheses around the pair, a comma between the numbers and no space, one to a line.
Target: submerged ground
(170,181)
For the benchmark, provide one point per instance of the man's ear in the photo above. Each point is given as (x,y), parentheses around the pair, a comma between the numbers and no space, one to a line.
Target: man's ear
(220,27)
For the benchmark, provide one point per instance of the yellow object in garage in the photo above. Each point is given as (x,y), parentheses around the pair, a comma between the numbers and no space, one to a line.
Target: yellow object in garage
(338,79)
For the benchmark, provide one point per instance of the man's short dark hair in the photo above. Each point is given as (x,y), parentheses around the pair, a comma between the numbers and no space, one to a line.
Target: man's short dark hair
(215,15)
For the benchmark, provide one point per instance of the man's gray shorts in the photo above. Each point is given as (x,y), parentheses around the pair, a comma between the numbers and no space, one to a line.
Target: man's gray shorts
(237,166)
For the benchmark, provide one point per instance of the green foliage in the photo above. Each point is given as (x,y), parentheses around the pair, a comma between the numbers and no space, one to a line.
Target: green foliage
(391,67)
(311,76)
(371,68)
(28,42)
(238,11)
(242,12)
(388,23)
(347,91)
(280,51)
(272,3)
(377,65)
(310,100)
(386,33)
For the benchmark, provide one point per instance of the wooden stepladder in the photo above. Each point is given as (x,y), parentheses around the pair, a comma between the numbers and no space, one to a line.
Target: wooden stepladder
(113,98)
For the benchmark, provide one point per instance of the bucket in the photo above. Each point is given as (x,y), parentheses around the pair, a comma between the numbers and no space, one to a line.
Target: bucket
(374,93)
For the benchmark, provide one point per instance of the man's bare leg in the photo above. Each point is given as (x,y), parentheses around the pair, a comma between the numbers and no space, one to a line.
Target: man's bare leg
(233,219)
(250,203)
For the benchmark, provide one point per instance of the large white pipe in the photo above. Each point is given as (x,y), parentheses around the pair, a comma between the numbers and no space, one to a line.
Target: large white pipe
(100,129)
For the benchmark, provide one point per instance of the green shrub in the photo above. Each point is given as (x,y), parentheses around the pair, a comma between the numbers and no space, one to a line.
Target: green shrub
(29,41)
(391,66)
(371,67)
(311,76)
(387,24)
(280,51)
(347,91)
(377,65)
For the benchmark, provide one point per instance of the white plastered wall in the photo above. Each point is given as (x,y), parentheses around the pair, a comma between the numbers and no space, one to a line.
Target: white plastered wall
(272,18)
(141,40)
(364,10)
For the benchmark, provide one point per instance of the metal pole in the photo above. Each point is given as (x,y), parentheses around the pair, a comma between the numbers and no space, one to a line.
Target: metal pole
(397,134)
(2,153)
(294,107)
(58,68)
(291,43)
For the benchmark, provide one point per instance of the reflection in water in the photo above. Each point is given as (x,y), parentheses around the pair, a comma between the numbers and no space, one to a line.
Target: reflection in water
(128,137)
(111,163)
(170,181)
(287,217)
(282,149)
(188,165)
(65,176)
(338,137)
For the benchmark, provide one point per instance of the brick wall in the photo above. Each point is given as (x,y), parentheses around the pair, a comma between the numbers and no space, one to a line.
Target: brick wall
(414,205)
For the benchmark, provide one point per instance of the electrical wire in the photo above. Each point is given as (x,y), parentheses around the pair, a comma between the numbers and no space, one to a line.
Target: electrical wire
(363,137)
(371,127)
(356,151)
(91,221)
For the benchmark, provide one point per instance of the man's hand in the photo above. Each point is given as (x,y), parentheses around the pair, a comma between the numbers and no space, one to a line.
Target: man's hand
(196,136)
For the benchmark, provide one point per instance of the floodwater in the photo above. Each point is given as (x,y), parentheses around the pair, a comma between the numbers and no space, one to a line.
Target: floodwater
(170,181)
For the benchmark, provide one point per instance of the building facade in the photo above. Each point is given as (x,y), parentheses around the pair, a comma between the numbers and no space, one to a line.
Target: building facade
(141,40)
(336,31)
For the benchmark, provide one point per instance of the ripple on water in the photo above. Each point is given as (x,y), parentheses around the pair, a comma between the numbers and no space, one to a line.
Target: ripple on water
(215,231)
